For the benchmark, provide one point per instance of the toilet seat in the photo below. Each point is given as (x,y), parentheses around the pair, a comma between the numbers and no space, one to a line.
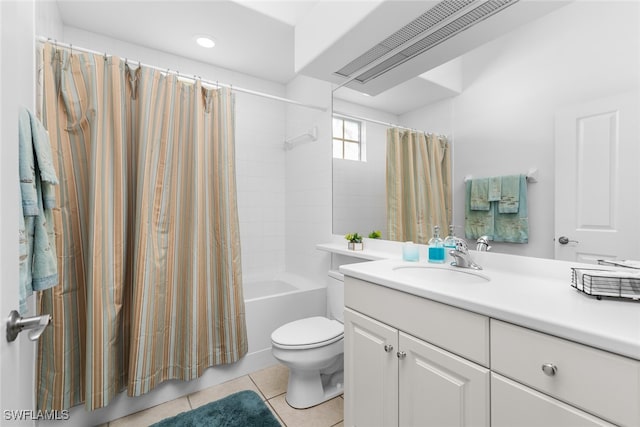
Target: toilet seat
(307,333)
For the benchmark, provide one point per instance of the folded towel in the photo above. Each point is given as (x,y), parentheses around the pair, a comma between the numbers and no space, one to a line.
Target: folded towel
(480,194)
(476,223)
(37,251)
(495,188)
(513,227)
(510,194)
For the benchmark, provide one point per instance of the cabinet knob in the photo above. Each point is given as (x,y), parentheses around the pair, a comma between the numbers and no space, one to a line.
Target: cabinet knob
(401,354)
(549,369)
(388,348)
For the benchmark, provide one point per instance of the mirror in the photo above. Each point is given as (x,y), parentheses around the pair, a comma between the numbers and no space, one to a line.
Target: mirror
(497,103)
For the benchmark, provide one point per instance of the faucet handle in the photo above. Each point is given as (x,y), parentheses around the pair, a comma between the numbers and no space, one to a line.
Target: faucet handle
(461,245)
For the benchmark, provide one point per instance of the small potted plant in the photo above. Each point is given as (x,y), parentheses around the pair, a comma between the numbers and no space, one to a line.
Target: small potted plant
(355,241)
(376,234)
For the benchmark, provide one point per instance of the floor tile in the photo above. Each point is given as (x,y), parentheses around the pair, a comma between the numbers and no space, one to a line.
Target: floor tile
(271,381)
(326,414)
(219,391)
(153,415)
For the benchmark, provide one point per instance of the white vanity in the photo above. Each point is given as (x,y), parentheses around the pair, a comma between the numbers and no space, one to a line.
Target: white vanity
(522,348)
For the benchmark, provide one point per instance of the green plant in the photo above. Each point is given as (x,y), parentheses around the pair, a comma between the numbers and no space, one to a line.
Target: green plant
(376,234)
(353,237)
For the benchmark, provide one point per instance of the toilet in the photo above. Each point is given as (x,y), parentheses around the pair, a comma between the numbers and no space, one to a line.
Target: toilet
(313,350)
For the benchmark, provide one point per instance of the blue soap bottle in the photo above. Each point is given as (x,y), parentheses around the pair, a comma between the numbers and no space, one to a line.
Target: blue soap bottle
(436,247)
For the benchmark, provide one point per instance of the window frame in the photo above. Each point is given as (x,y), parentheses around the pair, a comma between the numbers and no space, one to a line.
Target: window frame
(343,139)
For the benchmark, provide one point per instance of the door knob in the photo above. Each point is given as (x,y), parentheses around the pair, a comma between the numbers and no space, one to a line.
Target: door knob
(401,354)
(388,348)
(563,240)
(16,323)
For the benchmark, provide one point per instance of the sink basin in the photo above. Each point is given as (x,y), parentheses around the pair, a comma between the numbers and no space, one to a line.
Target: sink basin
(433,273)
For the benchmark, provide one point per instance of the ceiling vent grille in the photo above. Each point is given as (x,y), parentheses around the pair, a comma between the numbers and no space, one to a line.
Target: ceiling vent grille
(436,25)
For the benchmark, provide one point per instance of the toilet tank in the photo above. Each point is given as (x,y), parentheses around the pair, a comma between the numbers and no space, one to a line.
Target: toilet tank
(335,295)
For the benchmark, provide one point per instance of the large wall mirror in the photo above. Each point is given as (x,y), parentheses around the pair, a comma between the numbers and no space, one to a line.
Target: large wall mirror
(502,105)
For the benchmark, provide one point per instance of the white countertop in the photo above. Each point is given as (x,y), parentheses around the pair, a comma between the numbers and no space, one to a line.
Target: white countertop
(530,292)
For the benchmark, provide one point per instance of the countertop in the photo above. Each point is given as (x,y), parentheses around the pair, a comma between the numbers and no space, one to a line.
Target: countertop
(529,292)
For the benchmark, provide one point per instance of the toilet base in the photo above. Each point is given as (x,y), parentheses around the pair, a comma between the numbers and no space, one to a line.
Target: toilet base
(308,388)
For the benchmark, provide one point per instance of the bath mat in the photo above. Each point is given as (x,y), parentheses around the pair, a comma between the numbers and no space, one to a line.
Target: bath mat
(242,409)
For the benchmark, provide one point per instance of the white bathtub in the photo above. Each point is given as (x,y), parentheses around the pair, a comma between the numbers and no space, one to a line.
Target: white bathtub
(270,304)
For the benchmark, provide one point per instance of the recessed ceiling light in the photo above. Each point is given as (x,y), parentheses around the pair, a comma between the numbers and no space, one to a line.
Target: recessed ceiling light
(205,41)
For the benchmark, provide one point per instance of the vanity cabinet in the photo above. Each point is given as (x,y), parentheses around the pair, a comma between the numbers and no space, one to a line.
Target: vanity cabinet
(413,361)
(396,376)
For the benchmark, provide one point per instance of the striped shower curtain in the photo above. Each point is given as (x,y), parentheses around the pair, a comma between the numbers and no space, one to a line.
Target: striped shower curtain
(146,233)
(418,185)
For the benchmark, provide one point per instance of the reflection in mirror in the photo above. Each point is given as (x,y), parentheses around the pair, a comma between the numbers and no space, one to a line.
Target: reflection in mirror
(501,105)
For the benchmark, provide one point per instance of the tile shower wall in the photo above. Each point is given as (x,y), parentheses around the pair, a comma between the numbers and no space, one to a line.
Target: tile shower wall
(260,158)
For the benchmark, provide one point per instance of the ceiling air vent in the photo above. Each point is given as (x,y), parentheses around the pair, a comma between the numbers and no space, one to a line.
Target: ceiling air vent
(436,25)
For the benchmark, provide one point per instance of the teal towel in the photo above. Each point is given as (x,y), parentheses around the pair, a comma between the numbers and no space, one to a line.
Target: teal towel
(476,223)
(510,198)
(479,194)
(513,227)
(38,262)
(495,189)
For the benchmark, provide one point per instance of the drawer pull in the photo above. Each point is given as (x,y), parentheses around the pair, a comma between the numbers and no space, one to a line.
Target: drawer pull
(388,348)
(401,354)
(549,369)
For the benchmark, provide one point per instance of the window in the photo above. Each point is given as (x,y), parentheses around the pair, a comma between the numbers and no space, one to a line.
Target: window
(348,141)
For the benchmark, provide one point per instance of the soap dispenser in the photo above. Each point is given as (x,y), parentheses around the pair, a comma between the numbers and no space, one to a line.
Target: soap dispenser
(450,243)
(436,247)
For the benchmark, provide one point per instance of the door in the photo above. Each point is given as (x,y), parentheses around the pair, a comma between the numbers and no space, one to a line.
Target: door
(440,389)
(371,372)
(17,359)
(514,405)
(597,192)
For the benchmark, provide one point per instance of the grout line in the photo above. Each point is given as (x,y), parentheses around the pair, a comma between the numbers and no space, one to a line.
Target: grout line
(264,398)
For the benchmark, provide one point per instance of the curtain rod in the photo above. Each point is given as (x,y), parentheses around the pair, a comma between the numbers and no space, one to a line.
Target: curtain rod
(366,119)
(71,47)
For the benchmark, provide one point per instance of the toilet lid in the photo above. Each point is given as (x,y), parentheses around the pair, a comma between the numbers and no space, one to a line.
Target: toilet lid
(309,331)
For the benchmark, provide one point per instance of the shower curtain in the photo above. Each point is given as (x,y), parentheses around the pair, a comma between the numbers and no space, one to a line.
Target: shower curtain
(418,185)
(146,233)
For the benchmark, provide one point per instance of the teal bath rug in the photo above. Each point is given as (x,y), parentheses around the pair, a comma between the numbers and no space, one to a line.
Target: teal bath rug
(242,409)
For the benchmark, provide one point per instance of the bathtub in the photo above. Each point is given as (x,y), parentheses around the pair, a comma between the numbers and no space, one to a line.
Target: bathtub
(269,304)
(272,303)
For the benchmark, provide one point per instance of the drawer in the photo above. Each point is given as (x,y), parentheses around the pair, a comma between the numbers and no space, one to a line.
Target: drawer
(515,405)
(601,383)
(459,331)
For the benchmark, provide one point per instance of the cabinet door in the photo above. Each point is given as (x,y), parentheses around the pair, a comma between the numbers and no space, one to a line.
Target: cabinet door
(515,405)
(371,372)
(440,389)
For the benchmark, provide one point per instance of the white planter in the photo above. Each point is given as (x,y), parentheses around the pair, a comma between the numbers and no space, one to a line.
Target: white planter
(355,246)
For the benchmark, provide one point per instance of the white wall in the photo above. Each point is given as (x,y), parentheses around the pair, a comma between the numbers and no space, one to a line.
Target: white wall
(308,181)
(359,188)
(503,121)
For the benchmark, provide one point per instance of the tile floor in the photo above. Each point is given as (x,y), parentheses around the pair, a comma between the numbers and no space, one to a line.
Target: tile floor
(269,383)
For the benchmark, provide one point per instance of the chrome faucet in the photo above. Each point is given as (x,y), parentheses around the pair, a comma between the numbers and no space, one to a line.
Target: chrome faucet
(482,244)
(462,256)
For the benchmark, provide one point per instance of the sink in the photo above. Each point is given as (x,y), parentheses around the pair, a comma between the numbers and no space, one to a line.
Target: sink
(434,273)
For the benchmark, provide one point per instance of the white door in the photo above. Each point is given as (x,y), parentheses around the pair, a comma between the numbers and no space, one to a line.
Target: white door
(16,88)
(440,389)
(514,405)
(597,191)
(371,372)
